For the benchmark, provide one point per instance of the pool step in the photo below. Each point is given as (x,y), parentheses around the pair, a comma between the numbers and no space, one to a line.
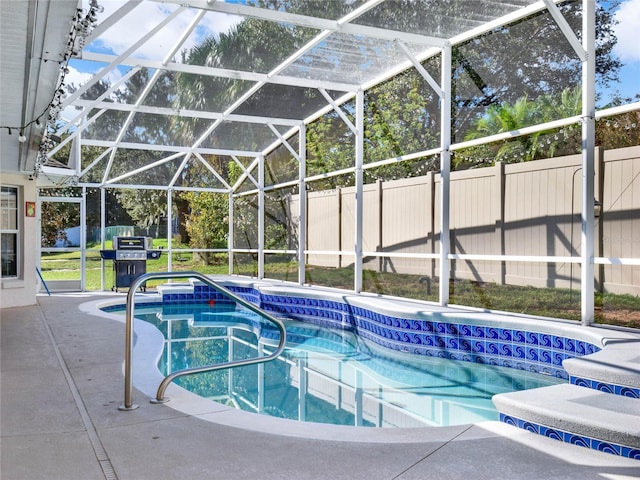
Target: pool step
(577,415)
(615,369)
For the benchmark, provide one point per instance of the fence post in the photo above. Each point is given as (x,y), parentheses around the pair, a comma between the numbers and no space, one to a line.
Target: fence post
(431,189)
(339,229)
(500,203)
(598,240)
(381,260)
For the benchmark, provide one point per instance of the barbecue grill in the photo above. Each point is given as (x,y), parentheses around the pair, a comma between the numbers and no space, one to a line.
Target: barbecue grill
(130,255)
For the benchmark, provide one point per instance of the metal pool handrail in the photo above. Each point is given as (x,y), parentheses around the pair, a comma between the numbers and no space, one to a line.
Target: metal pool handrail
(128,354)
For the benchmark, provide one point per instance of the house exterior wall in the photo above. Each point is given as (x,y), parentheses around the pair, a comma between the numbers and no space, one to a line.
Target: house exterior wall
(21,291)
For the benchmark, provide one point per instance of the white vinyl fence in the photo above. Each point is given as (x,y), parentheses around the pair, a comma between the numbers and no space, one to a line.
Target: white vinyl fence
(530,208)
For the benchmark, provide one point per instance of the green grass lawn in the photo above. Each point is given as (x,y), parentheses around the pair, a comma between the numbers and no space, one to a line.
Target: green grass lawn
(623,310)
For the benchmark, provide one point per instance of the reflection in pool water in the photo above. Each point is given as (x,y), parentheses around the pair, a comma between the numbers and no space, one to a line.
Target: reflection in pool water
(326,375)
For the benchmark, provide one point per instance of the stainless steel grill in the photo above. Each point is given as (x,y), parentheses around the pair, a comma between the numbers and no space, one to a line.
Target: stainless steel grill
(129,255)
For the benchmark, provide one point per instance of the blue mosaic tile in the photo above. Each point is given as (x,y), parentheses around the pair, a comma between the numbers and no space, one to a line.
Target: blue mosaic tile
(545,356)
(557,342)
(568,437)
(532,338)
(604,387)
(606,447)
(544,340)
(491,332)
(630,452)
(518,351)
(477,331)
(519,336)
(574,439)
(532,354)
(505,347)
(627,391)
(505,335)
(552,433)
(569,345)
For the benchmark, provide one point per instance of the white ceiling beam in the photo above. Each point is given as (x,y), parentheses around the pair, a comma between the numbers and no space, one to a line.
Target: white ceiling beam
(243,177)
(246,172)
(339,111)
(144,168)
(421,70)
(566,29)
(179,170)
(151,83)
(508,19)
(110,21)
(208,166)
(116,61)
(512,17)
(128,107)
(168,148)
(95,162)
(75,134)
(341,26)
(92,103)
(223,73)
(283,141)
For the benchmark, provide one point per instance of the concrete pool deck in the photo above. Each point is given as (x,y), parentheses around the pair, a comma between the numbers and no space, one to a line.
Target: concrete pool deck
(61,383)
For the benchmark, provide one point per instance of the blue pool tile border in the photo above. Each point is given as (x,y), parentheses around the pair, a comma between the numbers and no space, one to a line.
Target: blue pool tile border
(568,437)
(606,387)
(531,351)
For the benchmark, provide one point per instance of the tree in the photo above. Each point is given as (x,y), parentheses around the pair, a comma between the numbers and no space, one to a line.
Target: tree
(207,222)
(508,117)
(58,216)
(528,59)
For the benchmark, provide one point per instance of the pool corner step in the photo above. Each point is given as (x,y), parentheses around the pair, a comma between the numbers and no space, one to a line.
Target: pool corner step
(578,415)
(615,369)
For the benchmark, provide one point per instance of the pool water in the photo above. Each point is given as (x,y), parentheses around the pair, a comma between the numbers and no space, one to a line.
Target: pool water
(326,375)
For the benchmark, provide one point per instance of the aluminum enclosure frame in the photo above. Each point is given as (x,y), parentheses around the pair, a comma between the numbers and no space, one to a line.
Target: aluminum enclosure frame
(433,46)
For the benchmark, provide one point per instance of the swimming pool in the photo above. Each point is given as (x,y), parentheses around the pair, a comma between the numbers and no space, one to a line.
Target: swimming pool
(326,375)
(600,364)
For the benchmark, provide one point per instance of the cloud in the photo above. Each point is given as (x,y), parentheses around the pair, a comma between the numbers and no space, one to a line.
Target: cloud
(75,77)
(145,17)
(628,16)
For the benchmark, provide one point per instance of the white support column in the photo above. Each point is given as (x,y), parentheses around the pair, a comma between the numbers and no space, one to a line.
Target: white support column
(445,173)
(588,159)
(83,239)
(103,222)
(261,217)
(357,273)
(302,204)
(230,239)
(169,232)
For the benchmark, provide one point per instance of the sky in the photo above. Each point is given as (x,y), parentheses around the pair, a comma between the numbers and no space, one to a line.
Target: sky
(137,23)
(149,14)
(628,33)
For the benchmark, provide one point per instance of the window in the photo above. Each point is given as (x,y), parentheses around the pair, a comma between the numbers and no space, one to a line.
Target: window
(9,231)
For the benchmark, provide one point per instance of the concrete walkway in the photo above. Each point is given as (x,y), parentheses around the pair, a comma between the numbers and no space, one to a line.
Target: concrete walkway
(61,384)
